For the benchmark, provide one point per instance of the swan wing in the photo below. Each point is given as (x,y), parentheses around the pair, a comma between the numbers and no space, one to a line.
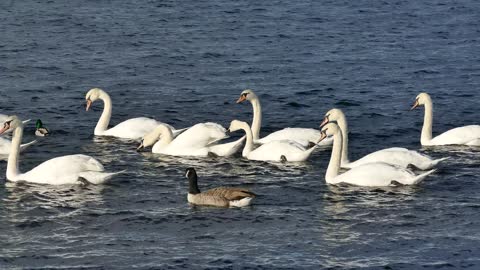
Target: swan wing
(62,170)
(134,128)
(459,135)
(375,174)
(401,157)
(5,146)
(199,136)
(274,150)
(300,135)
(227,149)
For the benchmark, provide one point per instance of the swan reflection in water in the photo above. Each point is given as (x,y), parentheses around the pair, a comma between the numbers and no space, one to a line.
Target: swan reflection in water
(351,214)
(23,196)
(221,166)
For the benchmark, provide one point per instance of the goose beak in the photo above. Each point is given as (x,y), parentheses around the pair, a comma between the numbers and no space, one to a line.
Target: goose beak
(89,103)
(324,135)
(324,122)
(415,105)
(241,99)
(140,147)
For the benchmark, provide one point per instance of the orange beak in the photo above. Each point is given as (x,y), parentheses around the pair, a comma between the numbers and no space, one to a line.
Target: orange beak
(241,99)
(89,103)
(415,105)
(4,128)
(324,122)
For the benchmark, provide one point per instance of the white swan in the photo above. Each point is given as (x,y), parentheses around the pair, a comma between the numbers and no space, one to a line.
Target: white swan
(199,140)
(370,174)
(303,136)
(467,135)
(6,145)
(134,128)
(396,156)
(3,118)
(273,151)
(73,169)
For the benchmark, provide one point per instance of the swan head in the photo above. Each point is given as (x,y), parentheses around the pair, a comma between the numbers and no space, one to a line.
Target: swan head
(246,94)
(236,125)
(11,123)
(92,95)
(332,115)
(152,137)
(328,130)
(421,99)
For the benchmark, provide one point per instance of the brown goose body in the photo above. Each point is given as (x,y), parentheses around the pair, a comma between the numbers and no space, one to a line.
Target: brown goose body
(220,197)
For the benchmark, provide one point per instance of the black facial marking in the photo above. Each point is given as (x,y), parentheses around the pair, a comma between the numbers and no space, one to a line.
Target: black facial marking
(7,124)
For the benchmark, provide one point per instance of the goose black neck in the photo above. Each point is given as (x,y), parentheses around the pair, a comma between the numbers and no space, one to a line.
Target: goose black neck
(192,183)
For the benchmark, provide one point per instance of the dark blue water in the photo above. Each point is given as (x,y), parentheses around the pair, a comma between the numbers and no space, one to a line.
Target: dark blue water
(185,62)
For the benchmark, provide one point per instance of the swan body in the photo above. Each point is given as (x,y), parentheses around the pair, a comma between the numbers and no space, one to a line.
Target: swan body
(199,140)
(467,135)
(370,174)
(134,128)
(72,169)
(273,151)
(395,156)
(6,146)
(401,157)
(379,174)
(303,136)
(220,197)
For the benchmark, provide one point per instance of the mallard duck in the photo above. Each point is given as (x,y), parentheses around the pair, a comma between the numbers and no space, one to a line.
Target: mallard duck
(41,131)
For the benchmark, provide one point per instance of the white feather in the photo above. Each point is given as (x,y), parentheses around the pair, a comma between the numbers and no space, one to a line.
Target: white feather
(241,203)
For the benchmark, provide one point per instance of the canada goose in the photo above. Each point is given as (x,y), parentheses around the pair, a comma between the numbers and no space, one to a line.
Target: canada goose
(221,196)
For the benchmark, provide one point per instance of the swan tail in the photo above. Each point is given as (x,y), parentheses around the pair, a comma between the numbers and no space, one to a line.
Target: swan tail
(419,178)
(98,178)
(308,152)
(178,131)
(26,145)
(227,149)
(436,161)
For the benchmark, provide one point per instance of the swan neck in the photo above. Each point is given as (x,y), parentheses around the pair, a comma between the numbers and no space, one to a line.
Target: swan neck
(427,123)
(165,136)
(257,118)
(104,120)
(334,165)
(343,125)
(249,143)
(12,164)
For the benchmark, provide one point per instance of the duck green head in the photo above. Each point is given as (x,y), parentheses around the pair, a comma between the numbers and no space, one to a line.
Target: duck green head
(39,124)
